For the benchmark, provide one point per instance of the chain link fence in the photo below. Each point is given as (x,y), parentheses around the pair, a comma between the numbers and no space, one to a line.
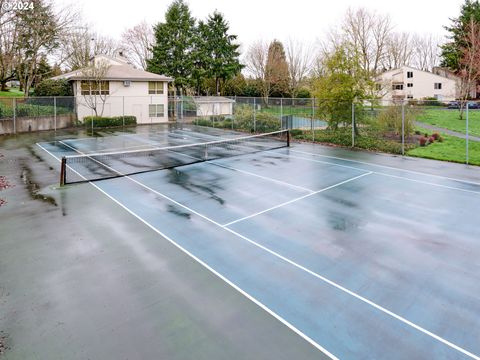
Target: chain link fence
(433,129)
(429,129)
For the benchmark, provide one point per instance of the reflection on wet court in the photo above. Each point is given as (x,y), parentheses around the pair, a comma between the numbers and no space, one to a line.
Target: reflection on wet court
(354,258)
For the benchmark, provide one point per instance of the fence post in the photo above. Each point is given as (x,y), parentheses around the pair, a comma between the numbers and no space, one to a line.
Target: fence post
(466,138)
(403,128)
(313,116)
(14,115)
(254,114)
(281,109)
(353,124)
(54,113)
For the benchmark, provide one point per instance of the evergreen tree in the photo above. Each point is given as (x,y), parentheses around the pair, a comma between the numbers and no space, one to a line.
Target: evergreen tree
(172,52)
(452,51)
(277,69)
(219,49)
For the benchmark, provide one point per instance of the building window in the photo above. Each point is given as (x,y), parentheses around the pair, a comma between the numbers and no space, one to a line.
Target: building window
(397,87)
(89,87)
(437,86)
(378,87)
(409,74)
(155,87)
(409,96)
(409,84)
(156,110)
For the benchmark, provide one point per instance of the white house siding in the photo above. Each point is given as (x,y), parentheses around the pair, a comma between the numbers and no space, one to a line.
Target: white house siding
(423,85)
(214,108)
(126,100)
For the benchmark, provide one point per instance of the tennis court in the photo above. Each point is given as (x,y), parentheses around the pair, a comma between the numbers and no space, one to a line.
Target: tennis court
(352,258)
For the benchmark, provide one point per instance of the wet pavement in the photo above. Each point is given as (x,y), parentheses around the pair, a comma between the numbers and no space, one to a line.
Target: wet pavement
(301,253)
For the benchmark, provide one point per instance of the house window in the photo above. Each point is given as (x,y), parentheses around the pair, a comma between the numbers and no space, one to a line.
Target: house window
(409,84)
(409,96)
(155,87)
(397,87)
(409,74)
(437,86)
(90,87)
(155,110)
(378,87)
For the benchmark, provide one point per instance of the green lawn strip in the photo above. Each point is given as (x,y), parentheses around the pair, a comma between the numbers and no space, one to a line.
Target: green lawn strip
(451,149)
(12,93)
(449,119)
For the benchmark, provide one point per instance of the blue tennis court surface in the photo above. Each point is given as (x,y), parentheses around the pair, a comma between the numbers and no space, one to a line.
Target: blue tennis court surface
(360,260)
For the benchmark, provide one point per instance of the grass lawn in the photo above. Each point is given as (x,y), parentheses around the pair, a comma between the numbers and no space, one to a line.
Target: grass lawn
(451,149)
(13,92)
(299,110)
(448,119)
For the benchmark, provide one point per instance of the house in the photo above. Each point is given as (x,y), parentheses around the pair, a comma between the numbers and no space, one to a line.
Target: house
(410,83)
(120,89)
(213,105)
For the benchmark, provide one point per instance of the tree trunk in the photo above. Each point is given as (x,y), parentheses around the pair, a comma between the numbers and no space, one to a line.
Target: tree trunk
(217,86)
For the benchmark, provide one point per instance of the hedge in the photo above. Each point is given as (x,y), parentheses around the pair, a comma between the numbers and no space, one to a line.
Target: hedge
(104,121)
(28,110)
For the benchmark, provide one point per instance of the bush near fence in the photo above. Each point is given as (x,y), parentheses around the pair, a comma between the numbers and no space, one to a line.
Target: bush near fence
(29,110)
(104,121)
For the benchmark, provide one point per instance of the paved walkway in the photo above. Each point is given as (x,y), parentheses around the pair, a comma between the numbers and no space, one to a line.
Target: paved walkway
(446,131)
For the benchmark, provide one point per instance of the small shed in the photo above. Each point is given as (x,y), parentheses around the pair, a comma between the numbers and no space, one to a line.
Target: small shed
(213,105)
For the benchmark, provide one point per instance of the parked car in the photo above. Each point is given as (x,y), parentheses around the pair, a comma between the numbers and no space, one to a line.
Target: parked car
(453,105)
(473,105)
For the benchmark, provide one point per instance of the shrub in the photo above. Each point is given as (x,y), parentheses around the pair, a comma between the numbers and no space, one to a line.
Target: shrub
(422,141)
(51,87)
(103,121)
(390,119)
(296,132)
(431,139)
(30,109)
(440,139)
(436,136)
(417,132)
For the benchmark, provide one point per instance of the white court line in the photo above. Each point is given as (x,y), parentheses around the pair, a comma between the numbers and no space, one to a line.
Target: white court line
(389,167)
(316,275)
(209,268)
(384,174)
(296,199)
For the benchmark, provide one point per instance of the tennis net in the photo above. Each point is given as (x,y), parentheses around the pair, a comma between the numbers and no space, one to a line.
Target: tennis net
(100,166)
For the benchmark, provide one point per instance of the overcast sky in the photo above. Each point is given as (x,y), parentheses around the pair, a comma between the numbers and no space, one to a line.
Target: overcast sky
(306,20)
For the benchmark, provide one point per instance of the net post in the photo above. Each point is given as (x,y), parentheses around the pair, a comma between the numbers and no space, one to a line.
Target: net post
(63,172)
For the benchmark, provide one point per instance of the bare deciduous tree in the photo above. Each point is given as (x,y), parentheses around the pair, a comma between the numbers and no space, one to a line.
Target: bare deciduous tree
(470,63)
(399,51)
(8,43)
(426,50)
(136,43)
(367,33)
(80,44)
(95,90)
(256,64)
(300,63)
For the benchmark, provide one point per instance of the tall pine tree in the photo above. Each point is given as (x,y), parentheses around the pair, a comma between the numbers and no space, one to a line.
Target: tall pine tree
(452,50)
(174,40)
(219,49)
